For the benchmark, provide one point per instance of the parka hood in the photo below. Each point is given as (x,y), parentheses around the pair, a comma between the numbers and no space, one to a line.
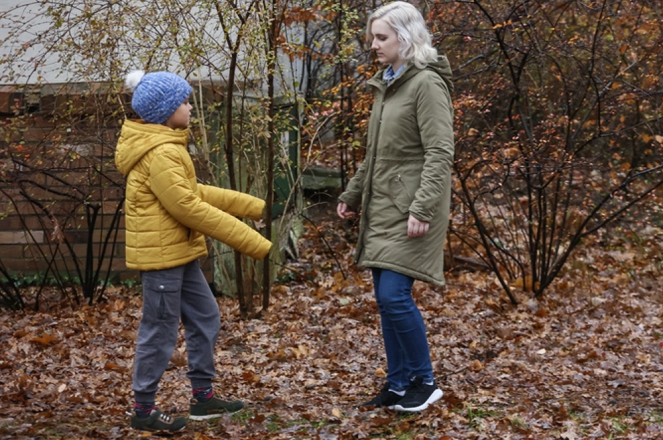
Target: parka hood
(137,138)
(441,67)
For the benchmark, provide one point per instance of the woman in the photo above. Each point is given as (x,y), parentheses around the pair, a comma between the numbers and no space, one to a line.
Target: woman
(403,191)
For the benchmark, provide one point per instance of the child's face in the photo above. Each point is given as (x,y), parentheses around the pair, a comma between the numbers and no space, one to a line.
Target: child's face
(180,119)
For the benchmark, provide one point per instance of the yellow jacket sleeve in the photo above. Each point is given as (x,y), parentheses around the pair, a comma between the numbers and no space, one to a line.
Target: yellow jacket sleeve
(179,196)
(233,202)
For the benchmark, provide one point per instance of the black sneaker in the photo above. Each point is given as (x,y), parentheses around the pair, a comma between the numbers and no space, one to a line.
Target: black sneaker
(385,399)
(213,408)
(418,396)
(158,421)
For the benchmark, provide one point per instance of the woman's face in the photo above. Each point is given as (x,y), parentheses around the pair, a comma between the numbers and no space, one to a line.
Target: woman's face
(180,119)
(385,43)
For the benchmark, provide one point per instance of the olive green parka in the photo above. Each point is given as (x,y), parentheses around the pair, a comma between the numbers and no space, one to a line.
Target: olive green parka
(407,170)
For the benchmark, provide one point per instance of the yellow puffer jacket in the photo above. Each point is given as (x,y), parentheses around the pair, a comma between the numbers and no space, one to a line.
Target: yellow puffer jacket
(167,212)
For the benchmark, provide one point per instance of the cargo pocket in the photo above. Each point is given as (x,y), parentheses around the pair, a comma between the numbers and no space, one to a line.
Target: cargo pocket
(161,293)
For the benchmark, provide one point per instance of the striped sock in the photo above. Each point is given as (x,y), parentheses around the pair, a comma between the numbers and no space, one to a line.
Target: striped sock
(143,409)
(203,395)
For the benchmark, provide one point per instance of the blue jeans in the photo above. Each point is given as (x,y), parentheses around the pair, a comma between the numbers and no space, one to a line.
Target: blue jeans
(403,329)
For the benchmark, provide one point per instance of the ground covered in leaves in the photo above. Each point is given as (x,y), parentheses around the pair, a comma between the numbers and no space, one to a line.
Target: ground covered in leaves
(584,362)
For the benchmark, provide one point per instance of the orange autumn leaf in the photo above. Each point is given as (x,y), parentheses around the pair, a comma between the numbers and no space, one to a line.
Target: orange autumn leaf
(45,340)
(250,377)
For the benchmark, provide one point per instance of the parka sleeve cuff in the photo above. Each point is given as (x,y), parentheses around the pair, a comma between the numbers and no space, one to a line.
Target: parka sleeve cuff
(352,202)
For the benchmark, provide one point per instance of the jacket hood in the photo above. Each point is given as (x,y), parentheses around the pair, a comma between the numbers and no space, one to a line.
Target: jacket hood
(137,138)
(441,67)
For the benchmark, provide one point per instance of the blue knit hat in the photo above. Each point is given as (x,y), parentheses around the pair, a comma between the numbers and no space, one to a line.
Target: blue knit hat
(157,95)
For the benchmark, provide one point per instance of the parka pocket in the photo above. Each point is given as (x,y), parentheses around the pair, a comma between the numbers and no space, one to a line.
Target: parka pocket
(400,194)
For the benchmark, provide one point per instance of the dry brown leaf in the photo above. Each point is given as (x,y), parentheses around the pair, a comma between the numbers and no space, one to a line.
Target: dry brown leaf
(380,373)
(569,435)
(505,333)
(179,359)
(119,305)
(45,340)
(475,365)
(129,335)
(250,377)
(111,366)
(302,350)
(381,421)
(258,418)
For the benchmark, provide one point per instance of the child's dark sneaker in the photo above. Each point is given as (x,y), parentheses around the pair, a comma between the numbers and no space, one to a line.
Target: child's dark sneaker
(213,408)
(386,399)
(158,421)
(418,396)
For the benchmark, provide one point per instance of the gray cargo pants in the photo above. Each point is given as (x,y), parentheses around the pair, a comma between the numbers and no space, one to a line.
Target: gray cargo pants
(168,296)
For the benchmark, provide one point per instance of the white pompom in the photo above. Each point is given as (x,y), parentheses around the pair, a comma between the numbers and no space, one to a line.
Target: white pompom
(133,78)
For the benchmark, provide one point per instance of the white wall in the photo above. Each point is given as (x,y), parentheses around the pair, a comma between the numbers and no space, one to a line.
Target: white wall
(26,13)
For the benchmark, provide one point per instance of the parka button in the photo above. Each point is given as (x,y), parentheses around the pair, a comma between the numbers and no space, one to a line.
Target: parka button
(161,287)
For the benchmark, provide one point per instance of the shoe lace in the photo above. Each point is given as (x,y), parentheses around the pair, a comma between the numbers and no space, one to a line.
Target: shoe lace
(417,387)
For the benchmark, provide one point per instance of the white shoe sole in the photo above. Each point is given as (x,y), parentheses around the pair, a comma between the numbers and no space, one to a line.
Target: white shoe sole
(434,397)
(205,417)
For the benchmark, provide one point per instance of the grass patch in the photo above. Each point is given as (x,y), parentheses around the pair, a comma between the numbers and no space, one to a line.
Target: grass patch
(656,417)
(577,416)
(476,414)
(242,417)
(518,423)
(618,426)
(273,423)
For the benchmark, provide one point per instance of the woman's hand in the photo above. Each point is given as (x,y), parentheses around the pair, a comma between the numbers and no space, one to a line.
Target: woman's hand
(416,228)
(343,211)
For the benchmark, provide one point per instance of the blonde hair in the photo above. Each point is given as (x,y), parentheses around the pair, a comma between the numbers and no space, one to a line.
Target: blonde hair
(407,21)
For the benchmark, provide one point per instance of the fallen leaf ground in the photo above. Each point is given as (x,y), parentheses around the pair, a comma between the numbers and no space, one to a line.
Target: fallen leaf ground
(585,362)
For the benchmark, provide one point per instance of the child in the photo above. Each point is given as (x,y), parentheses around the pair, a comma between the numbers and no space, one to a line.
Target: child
(168,215)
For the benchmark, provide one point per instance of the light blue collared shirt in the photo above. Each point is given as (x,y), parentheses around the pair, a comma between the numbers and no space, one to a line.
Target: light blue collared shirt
(389,74)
